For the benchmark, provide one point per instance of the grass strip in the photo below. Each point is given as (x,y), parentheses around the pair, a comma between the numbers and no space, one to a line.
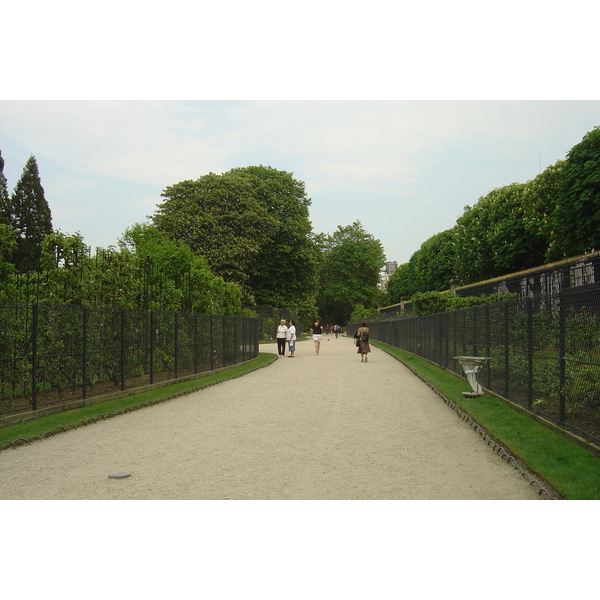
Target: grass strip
(572,470)
(37,427)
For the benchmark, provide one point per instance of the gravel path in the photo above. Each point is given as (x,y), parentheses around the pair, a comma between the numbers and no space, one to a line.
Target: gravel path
(314,427)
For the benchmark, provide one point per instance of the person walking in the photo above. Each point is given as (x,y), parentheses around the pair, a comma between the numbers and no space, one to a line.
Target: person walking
(362,336)
(291,333)
(281,335)
(317,333)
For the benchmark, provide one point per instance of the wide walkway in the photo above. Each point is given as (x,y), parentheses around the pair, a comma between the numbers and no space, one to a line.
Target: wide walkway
(312,427)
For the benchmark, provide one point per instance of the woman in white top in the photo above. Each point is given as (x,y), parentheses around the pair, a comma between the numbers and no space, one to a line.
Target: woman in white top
(291,335)
(281,335)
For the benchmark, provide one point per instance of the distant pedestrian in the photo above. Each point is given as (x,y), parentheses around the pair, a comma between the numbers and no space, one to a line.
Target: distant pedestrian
(362,336)
(291,333)
(317,333)
(281,335)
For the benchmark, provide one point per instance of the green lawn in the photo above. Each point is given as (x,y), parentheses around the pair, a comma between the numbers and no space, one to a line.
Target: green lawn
(37,427)
(572,470)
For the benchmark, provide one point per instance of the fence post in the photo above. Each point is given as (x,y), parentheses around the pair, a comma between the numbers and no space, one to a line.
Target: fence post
(530,349)
(195,343)
(122,349)
(243,339)
(235,323)
(455,332)
(175,342)
(488,342)
(506,351)
(475,313)
(151,346)
(561,357)
(223,340)
(34,358)
(84,336)
(212,353)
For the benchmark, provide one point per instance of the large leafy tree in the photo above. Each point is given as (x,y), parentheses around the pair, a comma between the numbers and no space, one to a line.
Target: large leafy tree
(433,265)
(492,237)
(29,214)
(219,218)
(349,273)
(284,268)
(539,201)
(576,218)
(430,268)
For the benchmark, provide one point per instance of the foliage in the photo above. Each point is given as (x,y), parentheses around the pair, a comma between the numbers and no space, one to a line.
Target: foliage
(349,273)
(493,238)
(429,303)
(29,214)
(8,243)
(539,201)
(431,268)
(283,272)
(4,197)
(220,219)
(514,227)
(361,313)
(576,217)
(147,272)
(400,285)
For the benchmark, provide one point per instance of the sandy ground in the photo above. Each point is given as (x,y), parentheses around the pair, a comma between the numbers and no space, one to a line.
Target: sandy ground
(315,427)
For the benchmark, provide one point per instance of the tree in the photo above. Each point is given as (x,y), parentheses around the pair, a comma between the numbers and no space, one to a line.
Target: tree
(540,196)
(30,215)
(8,244)
(220,219)
(576,218)
(8,235)
(492,237)
(349,274)
(434,263)
(171,277)
(400,284)
(4,197)
(284,268)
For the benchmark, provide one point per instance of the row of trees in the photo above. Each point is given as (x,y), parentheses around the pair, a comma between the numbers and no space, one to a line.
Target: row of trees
(515,227)
(214,245)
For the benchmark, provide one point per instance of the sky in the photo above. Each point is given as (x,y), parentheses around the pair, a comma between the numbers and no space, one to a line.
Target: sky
(397,116)
(404,168)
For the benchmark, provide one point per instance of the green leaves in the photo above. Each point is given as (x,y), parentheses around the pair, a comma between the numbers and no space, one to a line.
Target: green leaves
(29,213)
(220,219)
(349,273)
(576,217)
(252,227)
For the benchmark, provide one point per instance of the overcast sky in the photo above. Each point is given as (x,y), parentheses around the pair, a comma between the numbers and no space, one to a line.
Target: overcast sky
(405,169)
(398,116)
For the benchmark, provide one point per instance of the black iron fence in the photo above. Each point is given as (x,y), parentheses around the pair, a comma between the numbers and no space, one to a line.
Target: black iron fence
(544,351)
(51,355)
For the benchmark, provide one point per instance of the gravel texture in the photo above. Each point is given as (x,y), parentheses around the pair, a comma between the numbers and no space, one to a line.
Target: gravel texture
(318,427)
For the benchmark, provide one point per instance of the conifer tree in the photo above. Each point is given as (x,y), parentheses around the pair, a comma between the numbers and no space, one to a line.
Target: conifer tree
(30,216)
(4,197)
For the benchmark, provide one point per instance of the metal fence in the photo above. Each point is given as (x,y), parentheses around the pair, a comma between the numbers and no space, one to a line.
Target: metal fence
(544,351)
(51,355)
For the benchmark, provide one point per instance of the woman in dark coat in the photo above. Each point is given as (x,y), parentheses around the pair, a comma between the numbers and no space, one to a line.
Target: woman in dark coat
(363,342)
